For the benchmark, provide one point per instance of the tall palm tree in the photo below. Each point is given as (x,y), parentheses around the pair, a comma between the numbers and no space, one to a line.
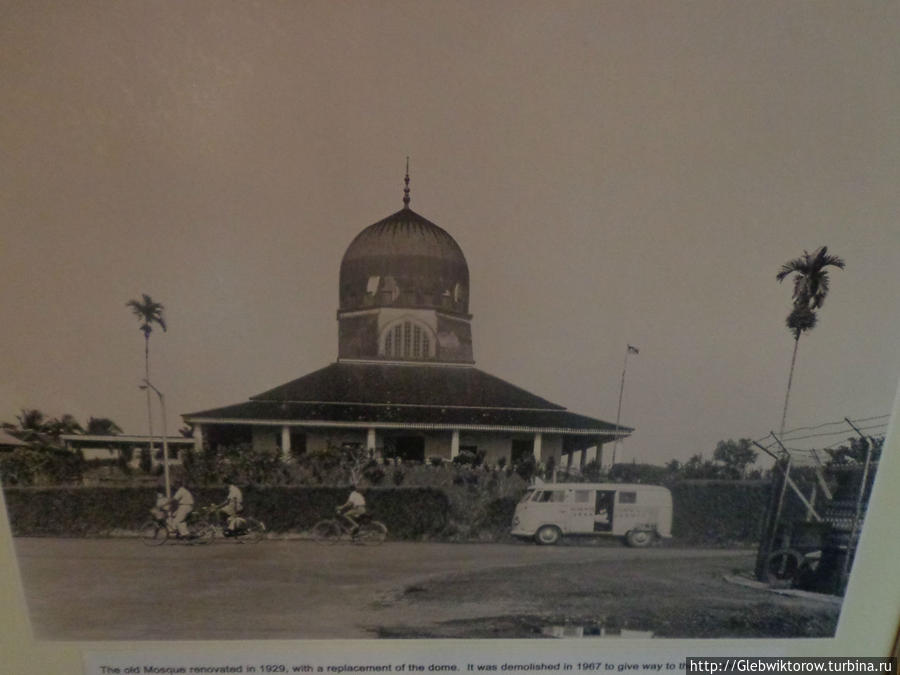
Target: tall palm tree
(148,312)
(811,285)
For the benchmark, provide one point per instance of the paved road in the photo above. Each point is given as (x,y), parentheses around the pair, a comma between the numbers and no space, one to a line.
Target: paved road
(111,589)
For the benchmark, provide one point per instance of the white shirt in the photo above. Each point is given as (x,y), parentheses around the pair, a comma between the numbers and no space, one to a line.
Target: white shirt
(235,498)
(356,500)
(183,497)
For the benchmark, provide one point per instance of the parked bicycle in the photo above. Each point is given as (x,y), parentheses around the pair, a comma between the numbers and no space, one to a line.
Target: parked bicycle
(160,530)
(332,530)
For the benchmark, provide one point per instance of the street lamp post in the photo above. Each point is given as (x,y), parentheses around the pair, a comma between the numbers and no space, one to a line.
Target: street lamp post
(162,404)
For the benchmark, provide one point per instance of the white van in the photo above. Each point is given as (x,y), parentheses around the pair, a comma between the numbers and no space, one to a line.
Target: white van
(639,513)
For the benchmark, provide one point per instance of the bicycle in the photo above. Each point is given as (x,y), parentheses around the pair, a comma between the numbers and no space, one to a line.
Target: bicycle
(158,531)
(247,530)
(332,530)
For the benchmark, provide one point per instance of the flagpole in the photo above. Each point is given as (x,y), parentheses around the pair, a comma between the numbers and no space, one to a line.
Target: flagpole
(628,350)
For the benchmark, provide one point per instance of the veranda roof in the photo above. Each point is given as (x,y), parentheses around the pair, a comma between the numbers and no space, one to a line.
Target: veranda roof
(8,440)
(406,396)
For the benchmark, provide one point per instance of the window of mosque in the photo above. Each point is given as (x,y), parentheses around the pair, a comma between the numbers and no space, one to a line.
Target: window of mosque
(407,340)
(459,292)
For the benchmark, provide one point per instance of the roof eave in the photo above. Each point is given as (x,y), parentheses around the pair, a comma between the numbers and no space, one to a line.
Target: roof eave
(621,432)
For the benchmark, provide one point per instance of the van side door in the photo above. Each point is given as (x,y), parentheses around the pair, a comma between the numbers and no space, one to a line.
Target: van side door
(581,511)
(604,508)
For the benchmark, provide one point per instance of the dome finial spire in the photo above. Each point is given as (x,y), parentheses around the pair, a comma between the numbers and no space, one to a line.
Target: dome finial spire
(406,189)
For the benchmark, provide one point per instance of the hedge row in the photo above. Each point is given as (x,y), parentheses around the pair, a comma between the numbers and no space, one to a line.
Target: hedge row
(409,513)
(705,512)
(719,512)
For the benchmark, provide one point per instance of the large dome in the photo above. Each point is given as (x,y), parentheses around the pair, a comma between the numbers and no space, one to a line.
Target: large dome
(404,260)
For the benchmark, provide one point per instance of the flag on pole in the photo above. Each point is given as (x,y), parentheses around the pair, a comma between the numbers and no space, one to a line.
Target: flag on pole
(633,350)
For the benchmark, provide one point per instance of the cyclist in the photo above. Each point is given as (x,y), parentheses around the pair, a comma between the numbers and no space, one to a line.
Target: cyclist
(160,510)
(352,509)
(232,506)
(182,505)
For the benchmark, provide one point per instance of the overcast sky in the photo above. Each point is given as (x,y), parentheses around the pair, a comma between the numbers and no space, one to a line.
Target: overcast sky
(615,173)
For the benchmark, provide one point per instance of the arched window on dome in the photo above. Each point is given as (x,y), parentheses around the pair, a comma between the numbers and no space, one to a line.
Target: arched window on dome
(407,339)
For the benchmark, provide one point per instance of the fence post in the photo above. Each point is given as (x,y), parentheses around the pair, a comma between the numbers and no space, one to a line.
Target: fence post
(773,512)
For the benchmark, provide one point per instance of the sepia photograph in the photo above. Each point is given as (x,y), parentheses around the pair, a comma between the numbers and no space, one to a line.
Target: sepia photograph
(427,321)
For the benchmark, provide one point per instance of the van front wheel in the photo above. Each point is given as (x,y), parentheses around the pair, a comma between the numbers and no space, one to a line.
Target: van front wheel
(548,535)
(639,538)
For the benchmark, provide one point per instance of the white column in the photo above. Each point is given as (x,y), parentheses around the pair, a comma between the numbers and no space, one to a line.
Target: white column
(454,444)
(198,437)
(370,440)
(537,447)
(285,441)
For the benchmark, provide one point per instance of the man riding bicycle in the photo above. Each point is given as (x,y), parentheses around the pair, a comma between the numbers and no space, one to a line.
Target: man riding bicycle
(353,509)
(232,506)
(182,505)
(160,510)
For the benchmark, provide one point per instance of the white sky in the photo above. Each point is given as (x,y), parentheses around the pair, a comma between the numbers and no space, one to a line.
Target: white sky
(614,172)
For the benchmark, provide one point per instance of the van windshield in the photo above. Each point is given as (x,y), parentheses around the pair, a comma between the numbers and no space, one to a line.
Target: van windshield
(528,495)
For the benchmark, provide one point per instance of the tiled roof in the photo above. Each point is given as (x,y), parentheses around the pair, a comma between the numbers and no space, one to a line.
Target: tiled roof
(7,439)
(395,395)
(408,384)
(428,417)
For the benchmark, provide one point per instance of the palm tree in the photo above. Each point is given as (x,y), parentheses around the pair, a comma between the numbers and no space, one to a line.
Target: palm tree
(102,426)
(811,285)
(66,424)
(148,312)
(30,426)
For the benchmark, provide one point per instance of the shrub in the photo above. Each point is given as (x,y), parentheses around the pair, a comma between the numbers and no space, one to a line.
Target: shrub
(373,473)
(497,517)
(592,472)
(469,458)
(719,511)
(526,468)
(37,466)
(407,512)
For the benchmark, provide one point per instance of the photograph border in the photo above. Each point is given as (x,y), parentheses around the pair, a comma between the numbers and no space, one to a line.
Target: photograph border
(868,625)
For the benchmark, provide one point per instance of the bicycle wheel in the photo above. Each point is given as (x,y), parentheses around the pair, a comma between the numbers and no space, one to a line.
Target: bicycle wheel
(154,533)
(251,532)
(203,534)
(372,533)
(783,565)
(326,532)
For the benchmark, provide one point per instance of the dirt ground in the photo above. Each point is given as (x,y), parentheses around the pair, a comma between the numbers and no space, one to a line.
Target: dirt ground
(664,598)
(118,589)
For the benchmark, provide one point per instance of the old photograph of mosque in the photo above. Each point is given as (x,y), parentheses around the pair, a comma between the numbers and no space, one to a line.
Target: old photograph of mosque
(318,340)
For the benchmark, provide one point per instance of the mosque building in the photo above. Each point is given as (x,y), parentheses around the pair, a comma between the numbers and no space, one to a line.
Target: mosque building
(405,383)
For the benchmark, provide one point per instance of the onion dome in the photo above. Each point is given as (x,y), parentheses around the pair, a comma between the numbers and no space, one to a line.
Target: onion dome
(406,261)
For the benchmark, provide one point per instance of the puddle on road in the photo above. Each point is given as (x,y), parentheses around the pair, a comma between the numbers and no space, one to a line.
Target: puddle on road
(594,631)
